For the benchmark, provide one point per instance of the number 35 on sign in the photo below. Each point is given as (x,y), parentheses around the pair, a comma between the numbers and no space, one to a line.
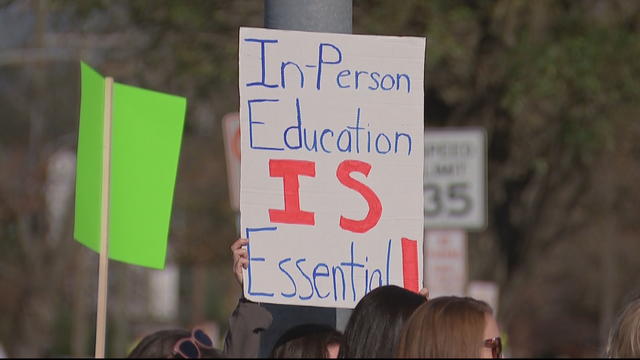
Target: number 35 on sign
(455,178)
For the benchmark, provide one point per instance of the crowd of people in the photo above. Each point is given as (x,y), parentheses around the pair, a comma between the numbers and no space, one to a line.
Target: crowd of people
(389,322)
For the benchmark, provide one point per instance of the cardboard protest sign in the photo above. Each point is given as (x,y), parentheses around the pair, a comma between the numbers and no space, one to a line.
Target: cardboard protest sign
(145,147)
(331,199)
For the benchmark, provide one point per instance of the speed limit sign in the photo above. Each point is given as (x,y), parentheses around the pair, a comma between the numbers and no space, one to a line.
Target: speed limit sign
(455,179)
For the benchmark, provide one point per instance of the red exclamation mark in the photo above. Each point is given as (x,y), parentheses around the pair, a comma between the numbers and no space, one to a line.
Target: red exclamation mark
(410,264)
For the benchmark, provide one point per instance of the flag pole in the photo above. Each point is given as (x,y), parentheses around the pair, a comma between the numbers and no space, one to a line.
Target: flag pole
(103,270)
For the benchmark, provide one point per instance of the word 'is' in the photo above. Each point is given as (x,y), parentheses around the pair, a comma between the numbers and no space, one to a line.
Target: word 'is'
(290,170)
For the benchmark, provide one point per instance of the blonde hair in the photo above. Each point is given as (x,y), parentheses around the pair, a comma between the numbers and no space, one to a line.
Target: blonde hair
(447,326)
(624,338)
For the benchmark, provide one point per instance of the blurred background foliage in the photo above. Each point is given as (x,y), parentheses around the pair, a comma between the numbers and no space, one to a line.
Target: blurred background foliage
(554,82)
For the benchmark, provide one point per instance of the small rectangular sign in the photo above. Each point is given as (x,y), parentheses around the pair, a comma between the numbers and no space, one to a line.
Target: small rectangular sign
(455,179)
(446,262)
(487,291)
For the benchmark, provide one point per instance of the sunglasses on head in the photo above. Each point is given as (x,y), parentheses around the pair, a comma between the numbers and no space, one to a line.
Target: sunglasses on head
(495,344)
(189,348)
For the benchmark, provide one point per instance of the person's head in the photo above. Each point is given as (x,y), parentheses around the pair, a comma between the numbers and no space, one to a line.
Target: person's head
(375,324)
(163,343)
(624,338)
(451,326)
(308,341)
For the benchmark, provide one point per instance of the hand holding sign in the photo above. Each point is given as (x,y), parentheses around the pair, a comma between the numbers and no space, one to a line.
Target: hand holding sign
(240,258)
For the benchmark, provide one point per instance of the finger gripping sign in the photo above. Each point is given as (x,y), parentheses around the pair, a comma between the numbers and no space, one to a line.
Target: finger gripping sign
(332,136)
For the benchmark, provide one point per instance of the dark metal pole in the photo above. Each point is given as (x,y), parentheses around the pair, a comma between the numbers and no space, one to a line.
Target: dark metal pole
(332,16)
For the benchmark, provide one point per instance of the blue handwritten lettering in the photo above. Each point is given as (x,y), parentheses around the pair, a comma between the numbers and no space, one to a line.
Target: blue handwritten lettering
(263,61)
(322,61)
(252,122)
(283,67)
(352,264)
(293,282)
(295,127)
(253,260)
(340,75)
(317,274)
(306,277)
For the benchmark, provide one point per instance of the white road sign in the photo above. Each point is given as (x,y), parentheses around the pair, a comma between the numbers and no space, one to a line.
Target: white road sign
(455,179)
(486,291)
(445,262)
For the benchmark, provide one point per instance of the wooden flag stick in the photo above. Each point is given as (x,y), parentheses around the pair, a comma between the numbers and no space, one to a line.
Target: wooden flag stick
(103,271)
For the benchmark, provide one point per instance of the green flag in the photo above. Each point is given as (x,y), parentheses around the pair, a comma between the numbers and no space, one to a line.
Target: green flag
(145,148)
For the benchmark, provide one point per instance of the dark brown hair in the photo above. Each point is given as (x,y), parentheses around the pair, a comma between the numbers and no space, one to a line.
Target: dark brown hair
(306,341)
(447,326)
(374,328)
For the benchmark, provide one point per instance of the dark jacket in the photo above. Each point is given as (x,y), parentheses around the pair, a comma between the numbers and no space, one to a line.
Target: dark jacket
(246,324)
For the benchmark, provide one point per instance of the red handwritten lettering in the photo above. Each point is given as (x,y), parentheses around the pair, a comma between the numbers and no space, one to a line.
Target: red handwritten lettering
(289,171)
(375,206)
(410,264)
